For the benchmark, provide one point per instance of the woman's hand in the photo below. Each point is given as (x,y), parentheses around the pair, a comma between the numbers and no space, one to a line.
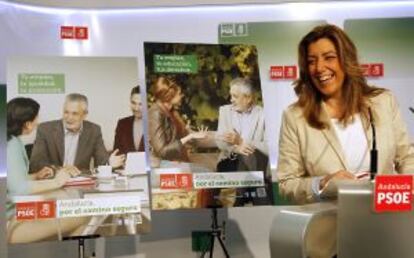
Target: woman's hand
(198,135)
(201,133)
(339,175)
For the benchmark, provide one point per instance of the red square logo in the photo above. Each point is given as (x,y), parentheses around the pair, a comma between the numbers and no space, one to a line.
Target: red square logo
(67,32)
(25,210)
(176,181)
(393,193)
(376,70)
(167,181)
(46,210)
(276,72)
(365,69)
(290,72)
(185,180)
(81,33)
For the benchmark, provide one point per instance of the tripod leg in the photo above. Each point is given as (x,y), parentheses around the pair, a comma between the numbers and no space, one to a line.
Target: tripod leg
(81,248)
(223,246)
(211,245)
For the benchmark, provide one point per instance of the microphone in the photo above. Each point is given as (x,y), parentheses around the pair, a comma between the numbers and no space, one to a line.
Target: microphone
(374,152)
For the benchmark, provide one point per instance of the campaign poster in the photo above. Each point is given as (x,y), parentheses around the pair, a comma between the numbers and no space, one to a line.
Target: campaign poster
(206,130)
(75,165)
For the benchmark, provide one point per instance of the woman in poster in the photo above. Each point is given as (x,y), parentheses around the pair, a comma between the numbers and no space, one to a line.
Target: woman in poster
(22,116)
(168,134)
(327,133)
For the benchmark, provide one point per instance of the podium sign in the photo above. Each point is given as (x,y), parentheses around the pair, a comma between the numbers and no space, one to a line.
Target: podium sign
(393,193)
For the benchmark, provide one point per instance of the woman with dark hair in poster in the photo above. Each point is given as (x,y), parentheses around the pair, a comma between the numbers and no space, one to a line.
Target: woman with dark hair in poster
(22,116)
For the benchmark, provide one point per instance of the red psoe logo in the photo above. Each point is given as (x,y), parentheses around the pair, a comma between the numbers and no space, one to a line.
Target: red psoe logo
(67,32)
(74,32)
(46,210)
(81,32)
(185,180)
(393,193)
(276,72)
(290,72)
(176,181)
(283,72)
(26,211)
(376,70)
(373,70)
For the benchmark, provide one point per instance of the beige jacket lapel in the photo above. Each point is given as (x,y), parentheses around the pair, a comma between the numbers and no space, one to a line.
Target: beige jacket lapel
(332,138)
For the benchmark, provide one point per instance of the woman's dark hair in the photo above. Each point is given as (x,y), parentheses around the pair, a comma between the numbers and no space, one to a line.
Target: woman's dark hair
(135,90)
(19,111)
(355,91)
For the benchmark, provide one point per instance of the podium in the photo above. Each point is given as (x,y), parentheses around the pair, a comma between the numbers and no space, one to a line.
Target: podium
(348,227)
(365,234)
(304,231)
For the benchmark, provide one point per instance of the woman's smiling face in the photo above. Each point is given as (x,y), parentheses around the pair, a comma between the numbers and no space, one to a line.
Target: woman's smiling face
(325,69)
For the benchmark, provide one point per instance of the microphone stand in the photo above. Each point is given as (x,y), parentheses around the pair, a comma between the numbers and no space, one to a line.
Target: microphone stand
(374,151)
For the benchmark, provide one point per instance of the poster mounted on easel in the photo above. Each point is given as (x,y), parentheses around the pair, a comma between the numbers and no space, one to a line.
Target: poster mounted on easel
(206,127)
(75,149)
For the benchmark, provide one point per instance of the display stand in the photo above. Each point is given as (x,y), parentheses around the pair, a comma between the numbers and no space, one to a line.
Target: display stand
(81,243)
(216,232)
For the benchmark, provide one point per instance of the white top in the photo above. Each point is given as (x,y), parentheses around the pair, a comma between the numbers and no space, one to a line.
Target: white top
(354,144)
(242,123)
(137,132)
(71,146)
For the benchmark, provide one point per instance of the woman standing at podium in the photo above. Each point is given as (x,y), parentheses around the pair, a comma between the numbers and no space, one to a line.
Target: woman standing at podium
(327,133)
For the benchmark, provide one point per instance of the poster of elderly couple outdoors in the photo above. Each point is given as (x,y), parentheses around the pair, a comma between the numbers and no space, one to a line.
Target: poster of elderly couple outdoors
(206,126)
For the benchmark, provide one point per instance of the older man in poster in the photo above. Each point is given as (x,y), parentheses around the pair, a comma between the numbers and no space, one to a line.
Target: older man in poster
(241,135)
(72,141)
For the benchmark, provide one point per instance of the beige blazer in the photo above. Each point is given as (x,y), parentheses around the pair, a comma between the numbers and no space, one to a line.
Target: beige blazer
(306,152)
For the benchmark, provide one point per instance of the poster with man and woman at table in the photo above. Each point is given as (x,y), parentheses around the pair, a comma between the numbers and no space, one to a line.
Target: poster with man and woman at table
(75,149)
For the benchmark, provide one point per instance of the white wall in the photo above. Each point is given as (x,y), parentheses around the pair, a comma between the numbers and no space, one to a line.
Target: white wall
(106,81)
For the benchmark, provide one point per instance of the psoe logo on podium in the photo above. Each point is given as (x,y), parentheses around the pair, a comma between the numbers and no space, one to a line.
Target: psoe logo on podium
(25,210)
(393,193)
